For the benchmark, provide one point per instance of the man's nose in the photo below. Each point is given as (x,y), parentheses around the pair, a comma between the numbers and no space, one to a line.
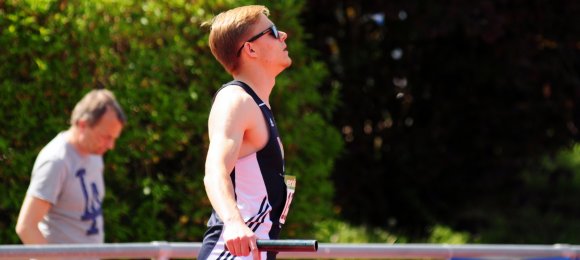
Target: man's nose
(283,35)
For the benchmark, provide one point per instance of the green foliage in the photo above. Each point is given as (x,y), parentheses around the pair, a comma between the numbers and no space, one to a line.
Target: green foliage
(547,203)
(442,234)
(154,56)
(335,231)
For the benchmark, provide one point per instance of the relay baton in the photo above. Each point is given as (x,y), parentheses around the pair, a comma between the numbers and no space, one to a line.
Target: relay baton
(287,245)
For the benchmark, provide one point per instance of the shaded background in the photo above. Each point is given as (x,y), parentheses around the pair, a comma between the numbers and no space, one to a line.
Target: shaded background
(456,113)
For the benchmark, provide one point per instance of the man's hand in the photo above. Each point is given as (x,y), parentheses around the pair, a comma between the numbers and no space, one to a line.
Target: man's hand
(240,240)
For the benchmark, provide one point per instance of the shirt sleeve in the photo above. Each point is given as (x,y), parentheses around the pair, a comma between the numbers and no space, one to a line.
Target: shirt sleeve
(47,181)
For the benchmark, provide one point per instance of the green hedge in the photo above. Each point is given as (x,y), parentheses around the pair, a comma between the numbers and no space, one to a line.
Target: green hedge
(154,56)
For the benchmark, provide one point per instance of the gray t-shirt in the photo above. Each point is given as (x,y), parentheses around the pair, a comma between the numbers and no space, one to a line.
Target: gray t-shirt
(74,185)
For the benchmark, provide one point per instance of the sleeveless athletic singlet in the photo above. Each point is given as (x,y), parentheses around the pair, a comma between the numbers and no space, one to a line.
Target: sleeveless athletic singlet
(259,188)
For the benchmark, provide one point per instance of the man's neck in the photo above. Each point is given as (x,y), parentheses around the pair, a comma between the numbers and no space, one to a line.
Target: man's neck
(73,139)
(262,84)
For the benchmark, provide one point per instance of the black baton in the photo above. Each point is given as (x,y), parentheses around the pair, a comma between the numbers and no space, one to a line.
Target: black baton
(287,245)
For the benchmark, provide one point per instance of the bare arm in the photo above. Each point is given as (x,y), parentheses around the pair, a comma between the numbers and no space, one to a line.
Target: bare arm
(228,122)
(31,213)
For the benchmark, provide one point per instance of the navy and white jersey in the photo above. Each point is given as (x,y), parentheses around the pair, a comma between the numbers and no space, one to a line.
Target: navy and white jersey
(260,190)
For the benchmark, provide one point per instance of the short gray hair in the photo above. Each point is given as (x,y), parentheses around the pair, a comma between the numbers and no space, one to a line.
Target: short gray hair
(94,105)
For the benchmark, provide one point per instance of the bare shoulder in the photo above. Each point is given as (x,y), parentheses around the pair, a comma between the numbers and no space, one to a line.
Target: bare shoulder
(233,106)
(232,96)
(236,116)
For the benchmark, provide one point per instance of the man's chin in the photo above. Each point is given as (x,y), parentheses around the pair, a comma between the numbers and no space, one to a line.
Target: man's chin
(100,152)
(289,63)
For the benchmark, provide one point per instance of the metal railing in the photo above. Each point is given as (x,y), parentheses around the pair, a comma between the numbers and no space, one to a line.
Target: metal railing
(177,250)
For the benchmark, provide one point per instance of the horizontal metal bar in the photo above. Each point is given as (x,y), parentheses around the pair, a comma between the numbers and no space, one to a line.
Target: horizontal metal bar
(165,250)
(104,251)
(442,251)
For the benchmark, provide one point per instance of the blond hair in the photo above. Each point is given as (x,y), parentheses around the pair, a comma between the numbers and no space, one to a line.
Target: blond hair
(94,105)
(228,31)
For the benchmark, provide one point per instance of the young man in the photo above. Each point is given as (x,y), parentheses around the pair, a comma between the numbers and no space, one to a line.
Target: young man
(63,201)
(244,170)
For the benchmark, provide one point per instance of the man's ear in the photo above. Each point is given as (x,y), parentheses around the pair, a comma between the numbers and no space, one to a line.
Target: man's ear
(253,53)
(81,124)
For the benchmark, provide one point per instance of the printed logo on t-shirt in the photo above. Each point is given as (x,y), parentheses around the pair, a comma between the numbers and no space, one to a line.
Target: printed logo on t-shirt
(92,203)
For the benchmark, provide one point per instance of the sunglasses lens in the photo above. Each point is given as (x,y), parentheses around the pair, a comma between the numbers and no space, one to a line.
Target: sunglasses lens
(275,32)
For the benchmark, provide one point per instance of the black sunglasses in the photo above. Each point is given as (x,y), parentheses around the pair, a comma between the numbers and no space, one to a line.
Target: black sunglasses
(271,29)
